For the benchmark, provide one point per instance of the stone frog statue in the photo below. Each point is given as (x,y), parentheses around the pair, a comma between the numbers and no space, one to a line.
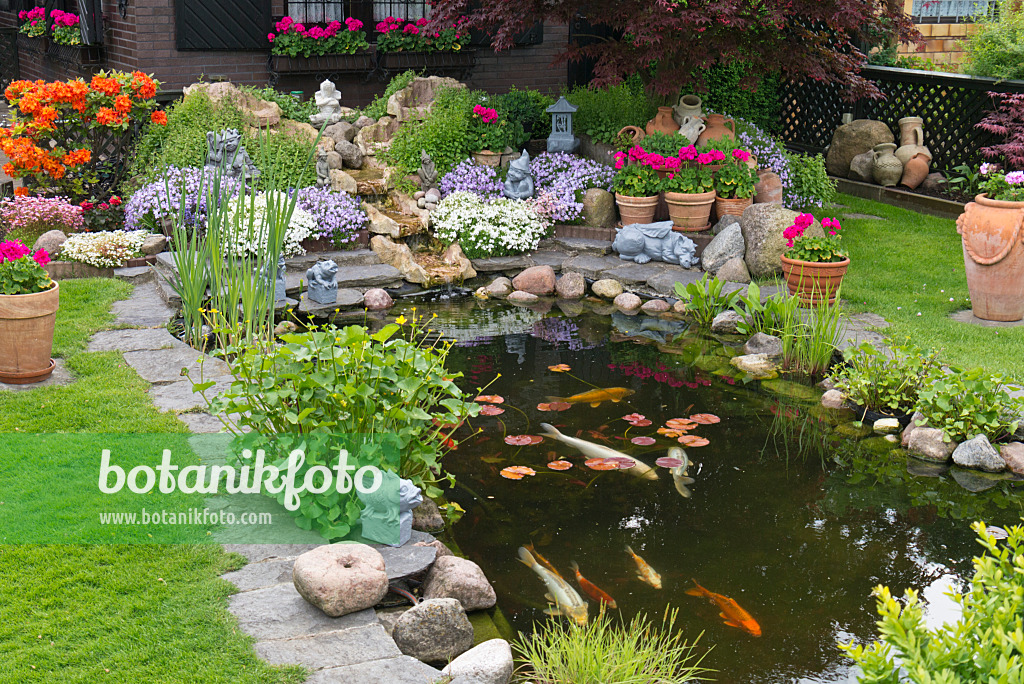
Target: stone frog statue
(644,242)
(320,279)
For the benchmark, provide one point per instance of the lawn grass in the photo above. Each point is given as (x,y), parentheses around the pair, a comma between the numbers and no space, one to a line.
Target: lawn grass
(909,269)
(120,613)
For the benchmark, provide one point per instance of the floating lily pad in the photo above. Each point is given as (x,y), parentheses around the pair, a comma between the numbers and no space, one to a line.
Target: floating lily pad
(705,418)
(491,410)
(517,472)
(601,464)
(643,441)
(490,399)
(560,465)
(669,462)
(693,441)
(554,406)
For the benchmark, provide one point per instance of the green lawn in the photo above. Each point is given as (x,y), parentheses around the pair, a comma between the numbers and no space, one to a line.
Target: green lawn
(909,269)
(117,613)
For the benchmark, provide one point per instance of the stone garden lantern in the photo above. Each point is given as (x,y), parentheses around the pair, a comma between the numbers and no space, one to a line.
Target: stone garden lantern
(561,138)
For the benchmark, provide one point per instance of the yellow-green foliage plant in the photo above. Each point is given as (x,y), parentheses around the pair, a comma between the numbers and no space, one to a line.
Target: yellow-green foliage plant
(986,645)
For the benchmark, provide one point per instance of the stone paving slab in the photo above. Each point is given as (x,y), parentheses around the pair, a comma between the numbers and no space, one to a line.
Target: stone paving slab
(331,649)
(262,575)
(550,258)
(506,263)
(636,274)
(967,316)
(201,423)
(178,396)
(347,257)
(580,245)
(255,553)
(145,308)
(134,339)
(665,282)
(359,277)
(134,274)
(591,266)
(408,560)
(59,377)
(346,299)
(279,612)
(165,365)
(401,670)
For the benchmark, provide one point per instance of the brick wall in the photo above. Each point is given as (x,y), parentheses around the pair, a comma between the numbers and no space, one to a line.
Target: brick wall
(941,43)
(525,67)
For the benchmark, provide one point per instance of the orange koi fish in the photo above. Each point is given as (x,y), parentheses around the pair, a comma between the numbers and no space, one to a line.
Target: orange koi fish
(592,590)
(732,614)
(596,397)
(541,559)
(644,571)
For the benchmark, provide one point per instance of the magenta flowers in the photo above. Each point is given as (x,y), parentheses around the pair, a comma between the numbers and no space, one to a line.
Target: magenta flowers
(295,38)
(13,250)
(486,114)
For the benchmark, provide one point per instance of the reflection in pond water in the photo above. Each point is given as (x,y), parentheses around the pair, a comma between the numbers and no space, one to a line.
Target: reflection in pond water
(792,516)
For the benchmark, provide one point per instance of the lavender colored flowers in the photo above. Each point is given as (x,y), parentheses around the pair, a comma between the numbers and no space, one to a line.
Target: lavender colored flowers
(564,178)
(469,176)
(338,215)
(163,198)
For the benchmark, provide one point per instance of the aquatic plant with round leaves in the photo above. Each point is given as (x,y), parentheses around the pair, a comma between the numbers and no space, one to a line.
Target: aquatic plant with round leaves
(964,404)
(983,645)
(884,382)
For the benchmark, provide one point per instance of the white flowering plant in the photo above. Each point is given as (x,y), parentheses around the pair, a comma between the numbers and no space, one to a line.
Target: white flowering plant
(486,229)
(108,249)
(246,231)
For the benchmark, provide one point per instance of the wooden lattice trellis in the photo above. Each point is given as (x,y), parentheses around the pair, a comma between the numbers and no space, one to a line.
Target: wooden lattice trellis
(950,104)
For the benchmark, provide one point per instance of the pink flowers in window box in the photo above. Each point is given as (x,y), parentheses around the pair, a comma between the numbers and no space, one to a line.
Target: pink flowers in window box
(295,39)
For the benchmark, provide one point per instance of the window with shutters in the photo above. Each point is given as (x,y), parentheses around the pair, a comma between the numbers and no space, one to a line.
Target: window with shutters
(951,10)
(367,11)
(222,24)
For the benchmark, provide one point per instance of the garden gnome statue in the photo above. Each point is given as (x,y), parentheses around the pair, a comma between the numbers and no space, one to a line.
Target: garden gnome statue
(225,151)
(328,101)
(323,169)
(322,283)
(561,138)
(644,242)
(519,184)
(387,511)
(427,172)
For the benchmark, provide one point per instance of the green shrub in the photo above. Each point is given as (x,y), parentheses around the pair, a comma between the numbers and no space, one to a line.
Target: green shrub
(291,108)
(983,645)
(443,134)
(284,161)
(528,108)
(602,651)
(880,382)
(603,112)
(379,106)
(182,142)
(758,104)
(996,47)
(809,184)
(964,404)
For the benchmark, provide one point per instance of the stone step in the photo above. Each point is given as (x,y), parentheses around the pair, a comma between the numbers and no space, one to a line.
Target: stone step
(348,257)
(164,289)
(134,275)
(350,277)
(577,246)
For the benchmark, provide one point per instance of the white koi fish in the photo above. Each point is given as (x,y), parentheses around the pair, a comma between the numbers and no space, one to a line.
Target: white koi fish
(567,601)
(591,450)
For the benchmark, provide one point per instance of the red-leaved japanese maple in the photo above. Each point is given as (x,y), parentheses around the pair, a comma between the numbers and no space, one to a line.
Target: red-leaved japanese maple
(673,39)
(1007,121)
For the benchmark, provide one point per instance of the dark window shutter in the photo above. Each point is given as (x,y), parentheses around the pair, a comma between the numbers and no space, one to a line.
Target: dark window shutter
(222,24)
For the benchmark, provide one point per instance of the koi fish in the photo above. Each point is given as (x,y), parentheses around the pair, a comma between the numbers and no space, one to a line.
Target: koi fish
(591,589)
(596,397)
(541,559)
(731,614)
(644,571)
(591,450)
(567,601)
(679,476)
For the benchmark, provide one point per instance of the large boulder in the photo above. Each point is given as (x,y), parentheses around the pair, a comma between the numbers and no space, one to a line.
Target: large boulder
(380,223)
(499,287)
(341,578)
(607,288)
(656,306)
(734,271)
(571,285)
(760,343)
(1013,456)
(979,453)
(351,155)
(768,187)
(154,244)
(342,130)
(521,297)
(52,241)
(454,256)
(399,255)
(375,137)
(255,112)
(862,168)
(833,399)
(377,299)
(929,444)
(488,663)
(599,208)
(435,630)
(724,246)
(856,137)
(627,301)
(343,182)
(415,100)
(757,366)
(762,226)
(726,323)
(538,280)
(460,579)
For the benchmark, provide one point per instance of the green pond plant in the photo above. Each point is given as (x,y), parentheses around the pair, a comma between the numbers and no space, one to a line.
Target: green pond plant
(705,299)
(986,644)
(641,652)
(964,404)
(883,382)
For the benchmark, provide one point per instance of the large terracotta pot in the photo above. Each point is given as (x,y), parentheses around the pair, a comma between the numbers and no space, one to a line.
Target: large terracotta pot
(636,209)
(26,335)
(991,232)
(487,158)
(813,281)
(731,207)
(914,171)
(662,122)
(718,128)
(690,212)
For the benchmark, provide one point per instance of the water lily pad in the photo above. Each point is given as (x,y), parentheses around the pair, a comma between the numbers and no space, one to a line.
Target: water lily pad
(491,410)
(622,462)
(669,462)
(631,417)
(680,424)
(693,441)
(490,399)
(517,472)
(601,464)
(643,441)
(553,406)
(705,418)
(641,423)
(560,465)
(518,440)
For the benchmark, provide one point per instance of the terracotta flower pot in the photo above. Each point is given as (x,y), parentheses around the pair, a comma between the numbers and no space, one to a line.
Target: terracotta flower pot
(690,212)
(26,335)
(813,281)
(718,128)
(636,209)
(662,122)
(915,171)
(488,158)
(731,207)
(991,232)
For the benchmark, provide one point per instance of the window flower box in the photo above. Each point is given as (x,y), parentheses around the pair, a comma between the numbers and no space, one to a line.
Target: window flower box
(457,64)
(357,63)
(76,55)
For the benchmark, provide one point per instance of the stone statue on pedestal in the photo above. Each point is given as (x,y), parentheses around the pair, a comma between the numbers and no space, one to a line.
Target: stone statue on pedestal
(519,182)
(328,101)
(224,150)
(320,278)
(427,172)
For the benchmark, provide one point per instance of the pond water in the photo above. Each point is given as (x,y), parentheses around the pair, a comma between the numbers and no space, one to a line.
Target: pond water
(793,519)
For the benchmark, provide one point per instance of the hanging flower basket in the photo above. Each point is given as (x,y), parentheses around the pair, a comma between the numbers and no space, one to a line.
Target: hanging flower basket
(357,63)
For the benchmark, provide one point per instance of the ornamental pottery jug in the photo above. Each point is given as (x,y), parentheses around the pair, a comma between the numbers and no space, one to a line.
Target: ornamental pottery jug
(991,232)
(662,122)
(718,128)
(691,128)
(914,171)
(887,169)
(912,139)
(688,106)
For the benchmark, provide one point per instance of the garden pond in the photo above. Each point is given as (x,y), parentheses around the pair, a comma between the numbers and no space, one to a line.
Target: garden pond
(795,512)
